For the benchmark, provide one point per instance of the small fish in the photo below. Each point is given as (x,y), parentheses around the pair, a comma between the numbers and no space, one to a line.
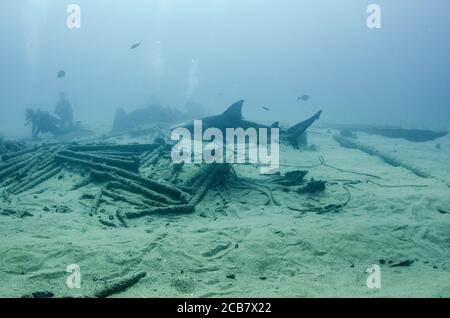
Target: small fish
(265,108)
(61,74)
(134,46)
(303,98)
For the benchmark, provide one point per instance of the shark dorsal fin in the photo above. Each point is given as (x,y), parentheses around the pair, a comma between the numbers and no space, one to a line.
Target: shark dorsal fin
(235,110)
(275,125)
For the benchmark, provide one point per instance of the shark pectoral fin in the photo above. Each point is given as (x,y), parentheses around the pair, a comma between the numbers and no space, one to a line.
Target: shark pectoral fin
(235,110)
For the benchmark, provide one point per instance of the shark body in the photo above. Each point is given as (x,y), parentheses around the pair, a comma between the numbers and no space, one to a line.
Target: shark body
(232,118)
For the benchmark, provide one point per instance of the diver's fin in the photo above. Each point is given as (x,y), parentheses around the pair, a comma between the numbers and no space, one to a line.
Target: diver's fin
(235,110)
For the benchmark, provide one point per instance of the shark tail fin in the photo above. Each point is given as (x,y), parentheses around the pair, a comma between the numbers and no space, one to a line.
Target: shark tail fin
(301,127)
(295,131)
(317,115)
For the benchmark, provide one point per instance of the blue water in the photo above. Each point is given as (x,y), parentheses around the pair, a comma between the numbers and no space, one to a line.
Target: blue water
(216,52)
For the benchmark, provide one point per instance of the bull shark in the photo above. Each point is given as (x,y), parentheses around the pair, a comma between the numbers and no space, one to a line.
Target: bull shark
(232,118)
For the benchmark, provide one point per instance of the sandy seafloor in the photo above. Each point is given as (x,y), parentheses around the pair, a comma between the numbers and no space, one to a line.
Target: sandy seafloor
(272,251)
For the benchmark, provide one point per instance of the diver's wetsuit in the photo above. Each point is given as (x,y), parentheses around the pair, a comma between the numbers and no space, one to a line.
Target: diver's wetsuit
(64,111)
(43,122)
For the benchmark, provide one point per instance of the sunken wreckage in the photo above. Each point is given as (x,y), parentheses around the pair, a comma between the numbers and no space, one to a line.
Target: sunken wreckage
(119,170)
(133,181)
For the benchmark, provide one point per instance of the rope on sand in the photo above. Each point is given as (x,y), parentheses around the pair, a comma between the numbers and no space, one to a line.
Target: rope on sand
(324,164)
(399,186)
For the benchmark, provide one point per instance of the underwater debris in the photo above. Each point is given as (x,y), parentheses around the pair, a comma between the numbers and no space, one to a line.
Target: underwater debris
(403,263)
(119,149)
(291,178)
(124,176)
(116,182)
(249,184)
(114,168)
(10,147)
(16,152)
(106,222)
(113,191)
(122,217)
(443,211)
(62,209)
(167,210)
(40,294)
(202,187)
(329,208)
(131,164)
(312,187)
(15,212)
(153,190)
(37,179)
(152,157)
(96,203)
(26,171)
(120,285)
(84,182)
(87,196)
(219,177)
(5,196)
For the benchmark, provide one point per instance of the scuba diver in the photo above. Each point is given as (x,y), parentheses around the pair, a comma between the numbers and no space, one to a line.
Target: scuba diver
(42,122)
(64,111)
(60,126)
